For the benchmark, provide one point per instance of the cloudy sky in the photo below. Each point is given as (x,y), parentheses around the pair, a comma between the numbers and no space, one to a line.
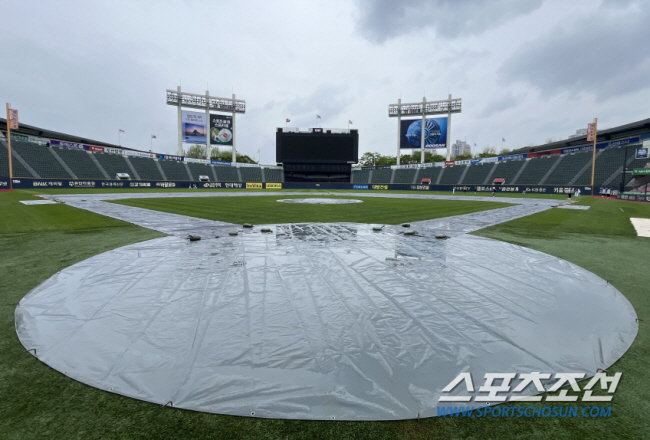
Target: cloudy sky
(527,70)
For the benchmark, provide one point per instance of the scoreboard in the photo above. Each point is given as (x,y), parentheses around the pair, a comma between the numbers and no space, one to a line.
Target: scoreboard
(319,146)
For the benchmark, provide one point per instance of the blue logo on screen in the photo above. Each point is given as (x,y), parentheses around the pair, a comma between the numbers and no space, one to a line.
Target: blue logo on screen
(432,133)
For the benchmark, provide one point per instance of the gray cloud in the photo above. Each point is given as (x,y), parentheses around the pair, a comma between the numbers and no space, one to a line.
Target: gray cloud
(503,103)
(380,20)
(328,101)
(604,54)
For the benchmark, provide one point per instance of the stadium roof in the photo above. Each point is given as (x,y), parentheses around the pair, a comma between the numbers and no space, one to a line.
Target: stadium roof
(30,130)
(622,131)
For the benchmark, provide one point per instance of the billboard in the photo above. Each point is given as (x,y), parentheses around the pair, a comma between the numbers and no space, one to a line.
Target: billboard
(194,127)
(435,133)
(221,130)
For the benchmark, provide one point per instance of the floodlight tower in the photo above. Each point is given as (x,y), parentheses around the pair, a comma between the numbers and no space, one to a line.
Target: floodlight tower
(207,103)
(447,106)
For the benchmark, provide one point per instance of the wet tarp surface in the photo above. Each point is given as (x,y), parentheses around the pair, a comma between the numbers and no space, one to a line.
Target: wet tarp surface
(319,321)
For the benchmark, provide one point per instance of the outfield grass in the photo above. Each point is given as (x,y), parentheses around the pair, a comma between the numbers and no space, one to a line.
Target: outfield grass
(360,192)
(267,209)
(37,241)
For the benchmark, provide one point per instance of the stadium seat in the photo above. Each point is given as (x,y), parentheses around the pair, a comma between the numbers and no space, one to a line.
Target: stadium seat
(226,173)
(430,173)
(452,174)
(536,169)
(360,176)
(174,170)
(251,174)
(566,170)
(476,174)
(80,163)
(381,175)
(41,160)
(404,175)
(113,164)
(507,170)
(273,174)
(199,169)
(146,168)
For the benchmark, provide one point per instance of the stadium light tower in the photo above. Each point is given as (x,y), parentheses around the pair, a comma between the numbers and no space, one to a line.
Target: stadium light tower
(205,102)
(424,108)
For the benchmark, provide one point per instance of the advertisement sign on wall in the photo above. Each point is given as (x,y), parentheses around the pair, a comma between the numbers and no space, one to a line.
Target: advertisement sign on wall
(435,133)
(221,130)
(194,127)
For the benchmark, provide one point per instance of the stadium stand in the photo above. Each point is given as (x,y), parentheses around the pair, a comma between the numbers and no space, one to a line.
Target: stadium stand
(452,174)
(381,175)
(360,176)
(507,170)
(636,163)
(200,169)
(404,175)
(41,160)
(226,174)
(273,174)
(173,170)
(476,174)
(80,163)
(146,168)
(566,170)
(429,173)
(113,164)
(251,174)
(537,169)
(18,169)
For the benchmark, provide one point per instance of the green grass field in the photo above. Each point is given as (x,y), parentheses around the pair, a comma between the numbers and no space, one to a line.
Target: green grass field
(267,209)
(38,241)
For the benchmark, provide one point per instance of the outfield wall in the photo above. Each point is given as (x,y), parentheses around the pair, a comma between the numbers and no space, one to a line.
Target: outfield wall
(26,183)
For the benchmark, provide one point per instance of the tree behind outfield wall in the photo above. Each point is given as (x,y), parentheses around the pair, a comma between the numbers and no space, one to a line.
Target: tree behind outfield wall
(196,151)
(226,156)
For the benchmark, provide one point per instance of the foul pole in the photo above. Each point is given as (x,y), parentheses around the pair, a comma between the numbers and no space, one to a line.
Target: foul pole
(593,130)
(12,120)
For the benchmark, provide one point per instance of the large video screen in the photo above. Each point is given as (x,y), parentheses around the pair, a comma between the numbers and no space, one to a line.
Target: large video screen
(435,133)
(317,147)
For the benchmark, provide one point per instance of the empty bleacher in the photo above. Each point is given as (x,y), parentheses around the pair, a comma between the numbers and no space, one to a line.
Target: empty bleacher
(404,175)
(146,168)
(381,175)
(429,173)
(18,169)
(226,174)
(273,174)
(566,170)
(507,170)
(537,169)
(41,160)
(80,163)
(113,164)
(200,169)
(360,176)
(174,170)
(476,174)
(452,174)
(251,174)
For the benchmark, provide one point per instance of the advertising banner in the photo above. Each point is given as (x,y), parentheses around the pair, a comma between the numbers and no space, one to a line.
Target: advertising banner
(138,154)
(170,157)
(641,171)
(273,186)
(94,148)
(435,133)
(194,126)
(71,145)
(450,163)
(220,162)
(204,161)
(513,157)
(221,130)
